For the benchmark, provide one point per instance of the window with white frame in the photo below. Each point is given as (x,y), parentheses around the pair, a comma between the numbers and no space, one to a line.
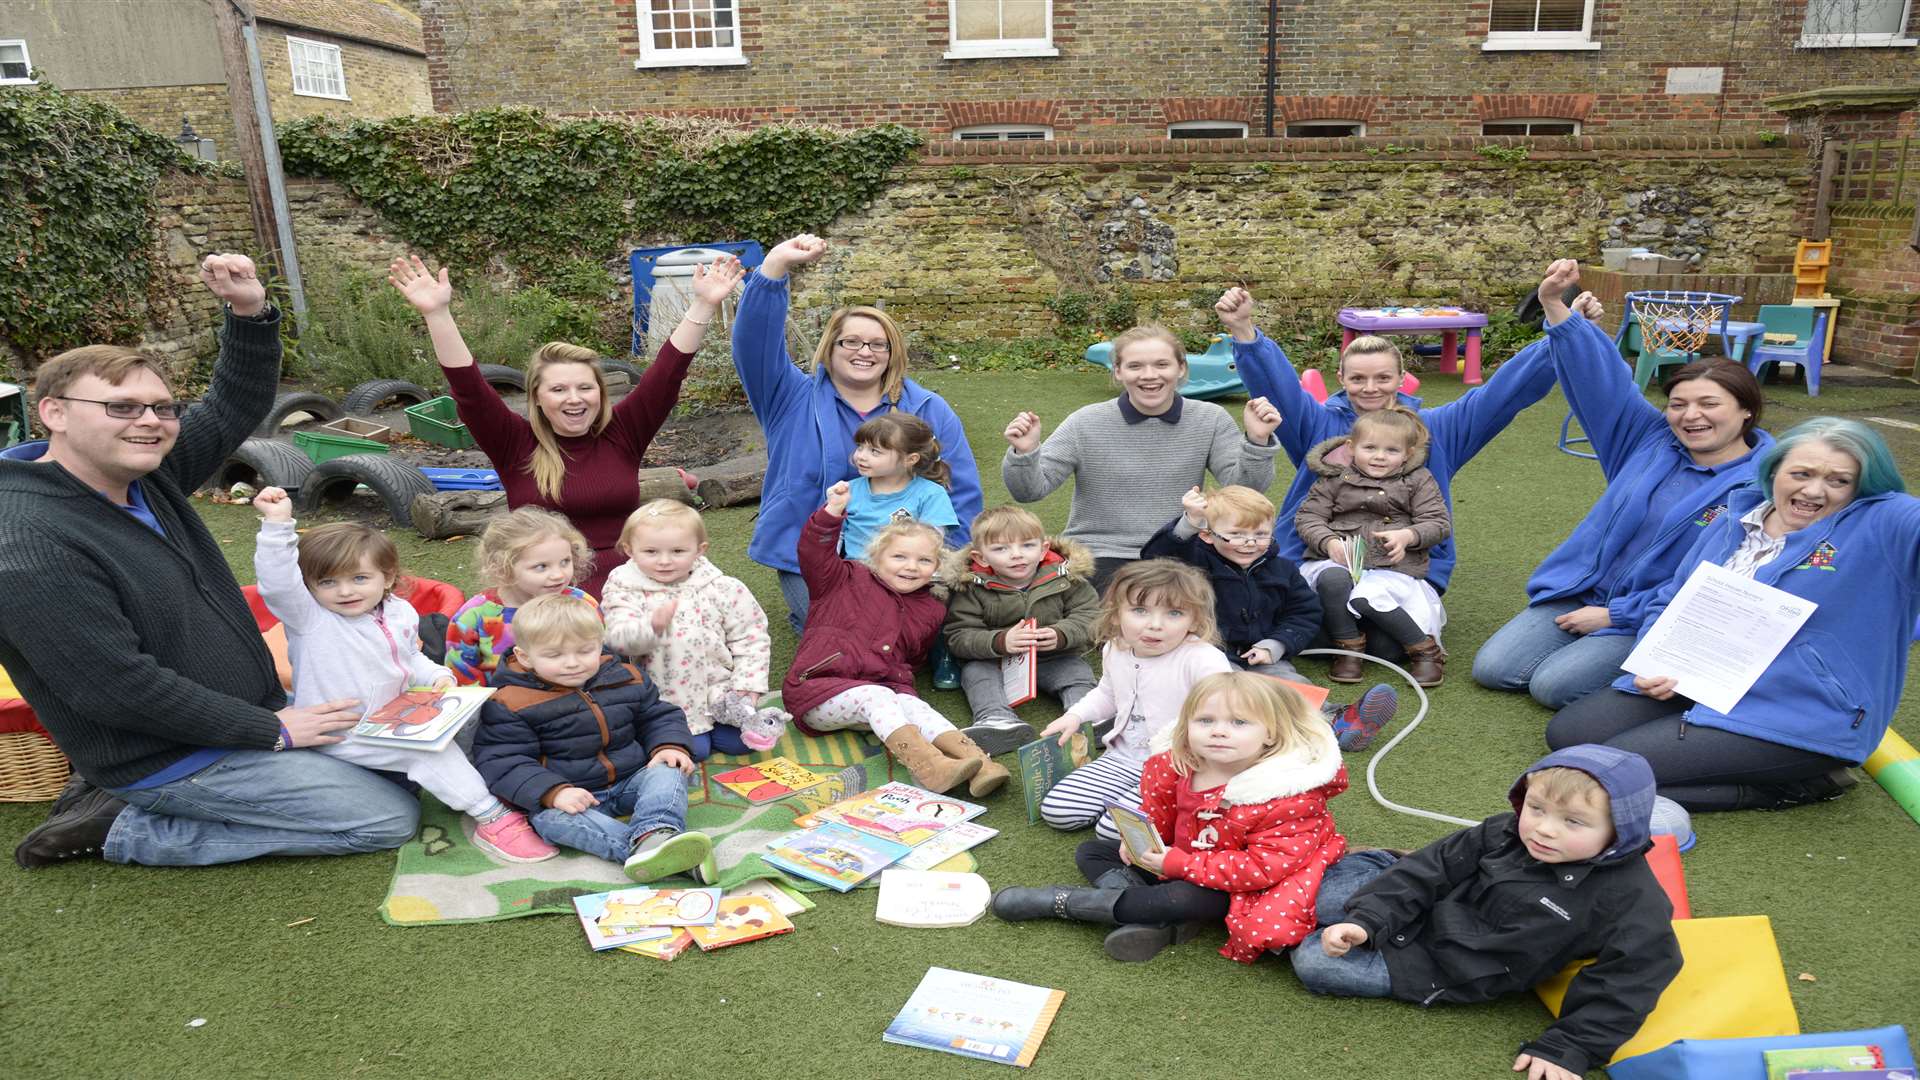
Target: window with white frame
(985,28)
(14,65)
(1841,24)
(1530,127)
(1003,133)
(1207,129)
(689,33)
(1326,129)
(316,69)
(1540,24)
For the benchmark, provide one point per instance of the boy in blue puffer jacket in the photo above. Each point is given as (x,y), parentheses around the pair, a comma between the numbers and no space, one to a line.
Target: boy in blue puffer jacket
(579,739)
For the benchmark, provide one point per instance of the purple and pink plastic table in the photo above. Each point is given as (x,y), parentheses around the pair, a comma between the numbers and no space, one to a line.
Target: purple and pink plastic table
(1356,321)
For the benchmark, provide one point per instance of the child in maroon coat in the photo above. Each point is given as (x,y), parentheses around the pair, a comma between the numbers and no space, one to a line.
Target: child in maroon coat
(1238,792)
(871,623)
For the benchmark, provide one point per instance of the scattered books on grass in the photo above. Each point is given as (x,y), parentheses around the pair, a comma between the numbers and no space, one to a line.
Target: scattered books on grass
(899,812)
(1020,671)
(765,781)
(421,719)
(833,855)
(610,933)
(976,1016)
(784,898)
(634,909)
(930,899)
(742,919)
(957,837)
(1137,834)
(1044,761)
(667,948)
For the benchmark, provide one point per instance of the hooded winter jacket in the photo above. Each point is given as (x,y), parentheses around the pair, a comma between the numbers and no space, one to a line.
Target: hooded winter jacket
(1267,604)
(982,607)
(1345,501)
(717,640)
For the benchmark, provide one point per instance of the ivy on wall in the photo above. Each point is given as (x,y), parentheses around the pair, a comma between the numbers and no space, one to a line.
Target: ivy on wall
(77,208)
(542,193)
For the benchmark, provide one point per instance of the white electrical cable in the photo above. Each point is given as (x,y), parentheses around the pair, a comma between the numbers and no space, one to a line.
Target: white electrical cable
(1373,785)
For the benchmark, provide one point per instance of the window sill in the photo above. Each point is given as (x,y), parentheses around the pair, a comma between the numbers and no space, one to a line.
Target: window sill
(1540,43)
(689,61)
(19,82)
(1856,41)
(1000,53)
(328,97)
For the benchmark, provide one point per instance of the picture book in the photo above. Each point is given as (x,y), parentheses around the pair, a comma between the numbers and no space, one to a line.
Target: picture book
(422,719)
(1315,695)
(1044,761)
(976,1016)
(785,899)
(1136,832)
(602,933)
(899,812)
(743,918)
(1784,1063)
(765,781)
(1020,672)
(1851,1074)
(930,899)
(634,909)
(833,855)
(951,841)
(666,948)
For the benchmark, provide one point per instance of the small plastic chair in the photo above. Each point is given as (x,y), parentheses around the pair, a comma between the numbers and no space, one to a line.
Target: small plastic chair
(1315,384)
(1809,329)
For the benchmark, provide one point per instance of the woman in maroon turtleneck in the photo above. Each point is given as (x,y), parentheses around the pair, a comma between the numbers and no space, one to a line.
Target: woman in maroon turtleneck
(574,452)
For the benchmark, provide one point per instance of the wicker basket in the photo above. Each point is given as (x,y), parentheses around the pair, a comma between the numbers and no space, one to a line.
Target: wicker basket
(32,769)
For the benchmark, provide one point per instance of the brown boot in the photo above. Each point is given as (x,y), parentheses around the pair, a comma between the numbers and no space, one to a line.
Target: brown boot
(1427,662)
(931,769)
(992,775)
(1348,669)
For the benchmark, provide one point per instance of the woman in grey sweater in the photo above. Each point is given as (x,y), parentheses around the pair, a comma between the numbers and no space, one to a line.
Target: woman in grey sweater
(1131,459)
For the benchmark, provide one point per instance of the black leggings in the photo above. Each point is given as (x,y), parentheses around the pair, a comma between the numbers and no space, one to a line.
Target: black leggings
(1335,587)
(1157,904)
(1701,768)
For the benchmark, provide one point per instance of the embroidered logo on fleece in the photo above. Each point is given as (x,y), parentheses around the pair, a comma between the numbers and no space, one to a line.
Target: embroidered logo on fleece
(1821,559)
(1706,516)
(1555,908)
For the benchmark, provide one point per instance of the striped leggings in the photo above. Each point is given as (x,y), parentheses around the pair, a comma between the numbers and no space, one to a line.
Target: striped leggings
(1080,798)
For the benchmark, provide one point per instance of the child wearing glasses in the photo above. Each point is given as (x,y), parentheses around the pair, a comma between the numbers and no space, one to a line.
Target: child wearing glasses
(1374,489)
(1265,609)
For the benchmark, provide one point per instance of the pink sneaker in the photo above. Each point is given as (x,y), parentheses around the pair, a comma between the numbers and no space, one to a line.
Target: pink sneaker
(511,837)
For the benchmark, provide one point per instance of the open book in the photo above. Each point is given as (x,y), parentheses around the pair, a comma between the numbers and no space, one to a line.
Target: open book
(422,719)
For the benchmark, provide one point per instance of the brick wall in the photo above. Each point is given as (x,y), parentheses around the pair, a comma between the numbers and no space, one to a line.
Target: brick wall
(161,107)
(380,82)
(1876,275)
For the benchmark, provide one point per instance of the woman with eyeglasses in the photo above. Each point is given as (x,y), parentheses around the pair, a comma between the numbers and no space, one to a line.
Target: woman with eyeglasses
(859,372)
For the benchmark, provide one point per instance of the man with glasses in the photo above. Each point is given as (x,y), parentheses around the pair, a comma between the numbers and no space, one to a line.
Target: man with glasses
(125,631)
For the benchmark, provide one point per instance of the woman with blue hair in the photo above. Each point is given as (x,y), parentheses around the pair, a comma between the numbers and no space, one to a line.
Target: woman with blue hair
(1828,519)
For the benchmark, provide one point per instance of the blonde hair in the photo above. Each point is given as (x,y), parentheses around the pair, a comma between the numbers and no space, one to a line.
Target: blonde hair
(1368,345)
(904,433)
(1146,581)
(1562,785)
(508,536)
(887,535)
(548,463)
(1238,505)
(1397,420)
(1005,524)
(112,363)
(1149,332)
(662,514)
(556,619)
(341,548)
(1289,721)
(896,375)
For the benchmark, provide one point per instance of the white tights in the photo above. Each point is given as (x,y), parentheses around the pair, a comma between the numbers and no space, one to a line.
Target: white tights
(879,709)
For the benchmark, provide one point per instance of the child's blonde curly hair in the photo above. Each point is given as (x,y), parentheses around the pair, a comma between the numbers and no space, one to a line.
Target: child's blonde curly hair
(1289,721)
(508,536)
(1158,581)
(887,535)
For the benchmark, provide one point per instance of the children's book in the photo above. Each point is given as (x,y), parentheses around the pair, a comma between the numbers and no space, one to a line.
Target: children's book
(1852,1074)
(785,899)
(1044,761)
(899,812)
(929,899)
(667,948)
(976,1016)
(634,909)
(1136,832)
(1784,1063)
(765,781)
(1020,672)
(422,719)
(833,855)
(1316,695)
(952,840)
(1356,556)
(604,933)
(742,919)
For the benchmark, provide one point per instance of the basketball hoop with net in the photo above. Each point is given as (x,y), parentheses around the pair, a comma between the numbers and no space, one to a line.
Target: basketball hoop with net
(1679,322)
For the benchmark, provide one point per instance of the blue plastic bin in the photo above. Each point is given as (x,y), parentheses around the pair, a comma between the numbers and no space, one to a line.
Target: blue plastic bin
(464,479)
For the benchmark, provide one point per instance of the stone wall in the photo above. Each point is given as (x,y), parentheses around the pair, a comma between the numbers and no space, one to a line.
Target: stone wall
(161,107)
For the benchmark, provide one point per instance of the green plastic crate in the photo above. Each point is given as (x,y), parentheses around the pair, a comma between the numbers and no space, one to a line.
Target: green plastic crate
(438,422)
(325,445)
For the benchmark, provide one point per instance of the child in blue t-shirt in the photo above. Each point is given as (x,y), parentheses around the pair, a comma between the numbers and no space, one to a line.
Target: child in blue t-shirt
(901,479)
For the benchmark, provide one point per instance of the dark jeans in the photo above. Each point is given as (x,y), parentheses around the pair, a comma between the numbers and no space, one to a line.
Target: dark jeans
(1103,571)
(1155,904)
(1362,972)
(1700,768)
(1335,587)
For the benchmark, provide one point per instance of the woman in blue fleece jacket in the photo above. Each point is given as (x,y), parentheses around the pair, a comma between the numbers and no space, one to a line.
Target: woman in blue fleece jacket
(859,372)
(1827,518)
(1668,472)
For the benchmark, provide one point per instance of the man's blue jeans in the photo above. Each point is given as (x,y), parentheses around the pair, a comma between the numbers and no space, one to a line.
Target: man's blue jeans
(256,802)
(656,797)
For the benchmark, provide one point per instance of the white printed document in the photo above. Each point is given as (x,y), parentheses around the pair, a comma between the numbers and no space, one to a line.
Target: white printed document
(1718,635)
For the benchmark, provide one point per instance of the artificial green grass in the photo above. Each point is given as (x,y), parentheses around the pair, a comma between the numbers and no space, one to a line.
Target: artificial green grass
(106,965)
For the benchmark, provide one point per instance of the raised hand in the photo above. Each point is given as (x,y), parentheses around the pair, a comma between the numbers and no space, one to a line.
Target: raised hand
(1235,308)
(1024,433)
(1194,505)
(1561,273)
(427,293)
(1589,307)
(274,504)
(837,497)
(234,280)
(713,283)
(1261,420)
(797,251)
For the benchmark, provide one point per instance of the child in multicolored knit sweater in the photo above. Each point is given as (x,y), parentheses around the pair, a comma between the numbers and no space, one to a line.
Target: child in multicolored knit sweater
(525,553)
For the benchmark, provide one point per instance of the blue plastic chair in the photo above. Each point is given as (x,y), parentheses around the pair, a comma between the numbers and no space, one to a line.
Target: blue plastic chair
(1809,329)
(1648,361)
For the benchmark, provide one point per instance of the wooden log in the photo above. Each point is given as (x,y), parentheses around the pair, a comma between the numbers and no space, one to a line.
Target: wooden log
(734,481)
(664,483)
(456,513)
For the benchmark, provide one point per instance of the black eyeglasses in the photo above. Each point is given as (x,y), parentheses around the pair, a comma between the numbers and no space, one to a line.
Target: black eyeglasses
(132,410)
(854,345)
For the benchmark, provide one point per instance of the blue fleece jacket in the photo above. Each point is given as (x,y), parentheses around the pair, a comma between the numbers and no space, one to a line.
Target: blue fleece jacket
(1833,689)
(1460,428)
(1610,551)
(809,430)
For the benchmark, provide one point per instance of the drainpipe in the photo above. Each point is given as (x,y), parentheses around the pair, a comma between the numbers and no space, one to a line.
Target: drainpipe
(1273,26)
(276,180)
